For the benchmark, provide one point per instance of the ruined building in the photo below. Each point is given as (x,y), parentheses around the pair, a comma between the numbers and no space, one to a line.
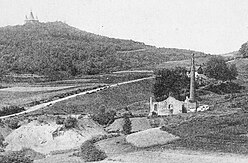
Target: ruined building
(173,106)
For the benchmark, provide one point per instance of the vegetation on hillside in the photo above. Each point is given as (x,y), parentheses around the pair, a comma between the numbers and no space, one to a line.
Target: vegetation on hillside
(170,82)
(104,117)
(7,110)
(58,50)
(114,98)
(217,68)
(127,126)
(89,152)
(154,56)
(243,51)
(15,157)
(222,133)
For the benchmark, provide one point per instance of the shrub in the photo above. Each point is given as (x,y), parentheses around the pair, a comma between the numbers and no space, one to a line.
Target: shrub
(154,114)
(60,120)
(15,157)
(89,152)
(13,123)
(1,140)
(154,122)
(217,68)
(127,126)
(103,117)
(70,122)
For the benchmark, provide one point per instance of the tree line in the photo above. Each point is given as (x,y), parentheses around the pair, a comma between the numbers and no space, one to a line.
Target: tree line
(175,82)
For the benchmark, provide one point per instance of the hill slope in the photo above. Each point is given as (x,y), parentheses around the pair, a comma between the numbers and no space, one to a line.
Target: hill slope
(57,50)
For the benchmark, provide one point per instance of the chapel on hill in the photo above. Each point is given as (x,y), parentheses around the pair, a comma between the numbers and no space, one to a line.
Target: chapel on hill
(30,19)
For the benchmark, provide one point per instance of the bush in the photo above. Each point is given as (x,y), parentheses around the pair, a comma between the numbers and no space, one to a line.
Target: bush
(1,140)
(223,88)
(103,117)
(89,152)
(15,157)
(13,123)
(154,122)
(59,120)
(70,122)
(127,126)
(217,68)
(154,114)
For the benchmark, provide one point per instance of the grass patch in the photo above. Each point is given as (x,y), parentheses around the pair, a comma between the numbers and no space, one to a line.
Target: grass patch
(223,133)
(16,157)
(33,98)
(114,98)
(7,110)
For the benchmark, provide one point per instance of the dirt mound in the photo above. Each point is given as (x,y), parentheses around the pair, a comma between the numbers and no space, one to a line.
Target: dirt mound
(138,124)
(5,130)
(150,137)
(47,137)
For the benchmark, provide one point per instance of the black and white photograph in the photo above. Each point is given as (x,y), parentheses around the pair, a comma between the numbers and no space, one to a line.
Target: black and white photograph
(124,81)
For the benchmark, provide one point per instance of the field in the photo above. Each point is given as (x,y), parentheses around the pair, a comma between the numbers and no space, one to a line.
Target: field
(23,96)
(114,98)
(224,128)
(183,63)
(29,94)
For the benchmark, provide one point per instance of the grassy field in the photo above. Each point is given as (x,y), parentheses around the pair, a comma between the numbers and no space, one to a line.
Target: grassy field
(242,66)
(114,98)
(224,128)
(22,93)
(24,98)
(183,63)
(219,132)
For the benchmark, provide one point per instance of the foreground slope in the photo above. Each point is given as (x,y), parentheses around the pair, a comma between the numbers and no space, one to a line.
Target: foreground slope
(40,135)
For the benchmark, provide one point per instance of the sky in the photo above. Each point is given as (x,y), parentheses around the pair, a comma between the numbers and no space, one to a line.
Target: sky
(210,26)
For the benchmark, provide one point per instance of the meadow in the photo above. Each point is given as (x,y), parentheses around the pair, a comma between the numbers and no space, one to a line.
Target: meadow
(132,95)
(29,94)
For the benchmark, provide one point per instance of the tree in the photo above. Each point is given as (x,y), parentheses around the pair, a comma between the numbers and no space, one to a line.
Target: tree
(244,50)
(233,72)
(217,68)
(170,82)
(127,126)
(89,152)
(1,140)
(200,70)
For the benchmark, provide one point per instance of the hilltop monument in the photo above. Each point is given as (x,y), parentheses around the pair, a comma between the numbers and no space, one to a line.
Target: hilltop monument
(30,19)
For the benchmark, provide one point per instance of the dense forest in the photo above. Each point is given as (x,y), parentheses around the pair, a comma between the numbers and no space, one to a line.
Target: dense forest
(58,50)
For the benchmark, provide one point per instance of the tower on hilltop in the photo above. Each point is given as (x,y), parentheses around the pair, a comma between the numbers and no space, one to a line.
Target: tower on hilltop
(31,19)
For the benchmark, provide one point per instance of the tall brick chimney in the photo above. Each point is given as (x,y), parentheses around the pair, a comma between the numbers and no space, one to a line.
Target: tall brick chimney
(192,80)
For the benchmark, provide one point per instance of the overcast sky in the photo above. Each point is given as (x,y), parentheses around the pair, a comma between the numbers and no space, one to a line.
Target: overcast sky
(211,26)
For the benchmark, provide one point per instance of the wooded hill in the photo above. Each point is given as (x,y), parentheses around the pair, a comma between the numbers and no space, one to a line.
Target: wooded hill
(58,50)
